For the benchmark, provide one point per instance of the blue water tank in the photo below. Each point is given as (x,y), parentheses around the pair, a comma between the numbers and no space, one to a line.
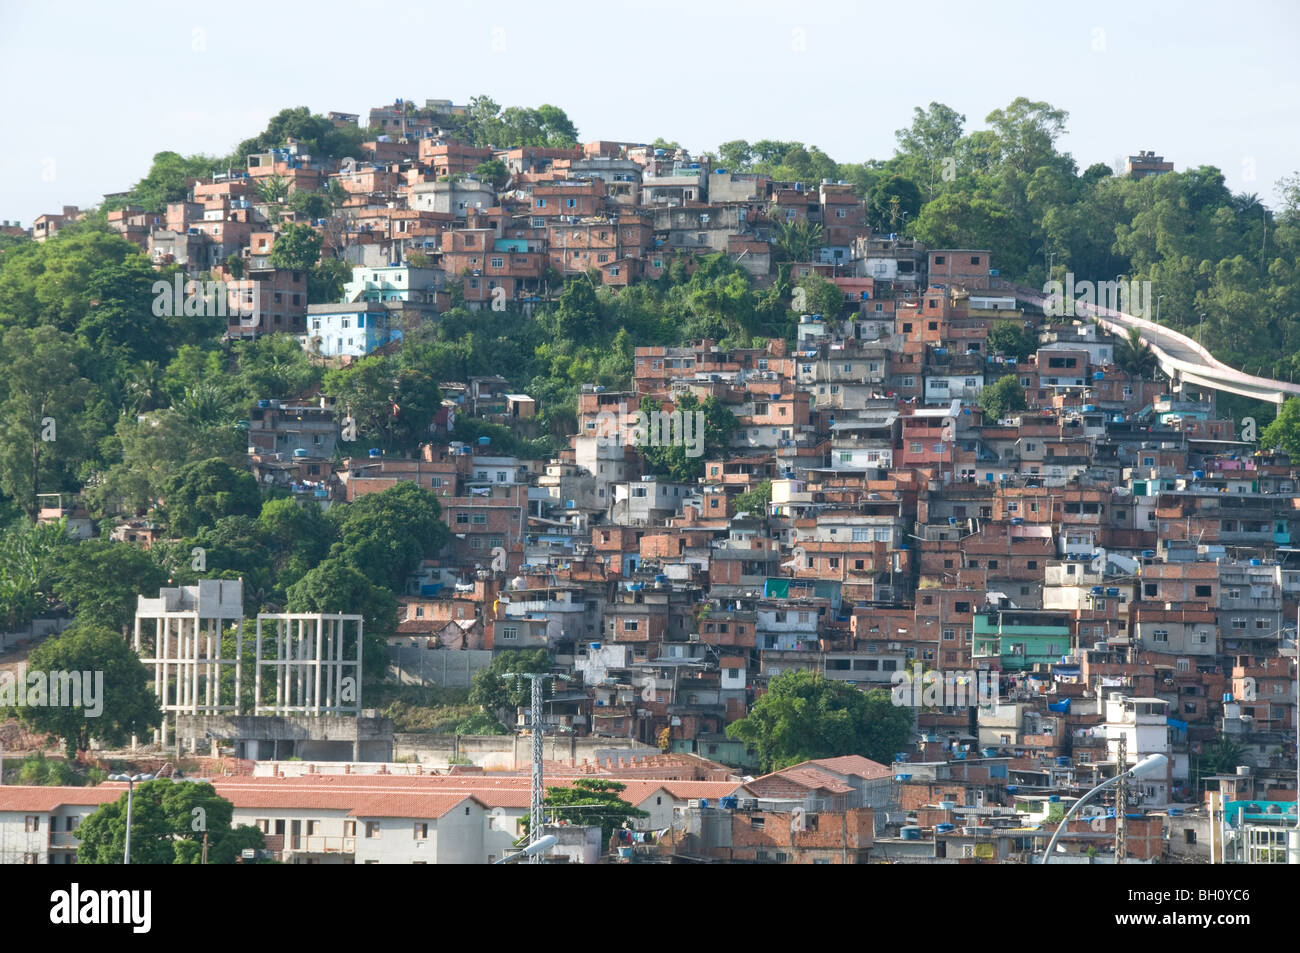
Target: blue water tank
(900,756)
(911,832)
(484,441)
(300,453)
(729,803)
(1053,798)
(1098,375)
(375,452)
(1256,562)
(1063,762)
(1112,590)
(943,828)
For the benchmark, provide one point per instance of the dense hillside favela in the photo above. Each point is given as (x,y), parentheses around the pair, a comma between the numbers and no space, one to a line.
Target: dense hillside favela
(441,485)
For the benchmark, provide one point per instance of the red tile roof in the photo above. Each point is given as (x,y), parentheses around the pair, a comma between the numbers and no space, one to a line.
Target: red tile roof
(854,764)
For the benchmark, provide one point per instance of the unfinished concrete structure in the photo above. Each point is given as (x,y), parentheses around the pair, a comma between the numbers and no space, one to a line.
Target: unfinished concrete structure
(305,664)
(312,659)
(183,647)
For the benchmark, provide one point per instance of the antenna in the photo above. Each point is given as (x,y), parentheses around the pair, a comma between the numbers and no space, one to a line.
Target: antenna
(535,820)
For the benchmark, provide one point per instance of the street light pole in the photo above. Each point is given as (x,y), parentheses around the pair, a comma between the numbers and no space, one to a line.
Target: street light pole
(1148,765)
(130,792)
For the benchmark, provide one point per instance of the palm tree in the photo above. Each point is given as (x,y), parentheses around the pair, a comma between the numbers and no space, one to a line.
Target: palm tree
(273,190)
(1135,356)
(798,240)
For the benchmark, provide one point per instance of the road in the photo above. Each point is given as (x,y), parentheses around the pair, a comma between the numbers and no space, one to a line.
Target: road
(1180,357)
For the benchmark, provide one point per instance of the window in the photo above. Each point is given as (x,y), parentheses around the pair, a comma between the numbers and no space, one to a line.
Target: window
(939,259)
(462,517)
(32,824)
(509,633)
(1202,591)
(497,263)
(422,831)
(480,519)
(1160,635)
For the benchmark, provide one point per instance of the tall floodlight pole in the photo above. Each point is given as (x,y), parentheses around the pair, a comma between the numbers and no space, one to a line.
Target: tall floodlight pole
(536,791)
(1121,804)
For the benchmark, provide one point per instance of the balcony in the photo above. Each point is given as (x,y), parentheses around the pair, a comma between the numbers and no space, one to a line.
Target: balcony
(315,844)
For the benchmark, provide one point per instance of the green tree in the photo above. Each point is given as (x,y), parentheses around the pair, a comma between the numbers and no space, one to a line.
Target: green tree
(317,136)
(1002,398)
(497,693)
(37,769)
(1284,431)
(28,554)
(99,580)
(1012,339)
(804,716)
(311,205)
(274,365)
(169,821)
(578,315)
(675,462)
(755,501)
(273,189)
(493,171)
(815,295)
(386,535)
(1134,356)
(153,449)
(799,240)
(296,248)
(42,427)
(325,281)
(392,403)
(127,704)
(296,536)
(335,586)
(590,801)
(201,493)
(170,179)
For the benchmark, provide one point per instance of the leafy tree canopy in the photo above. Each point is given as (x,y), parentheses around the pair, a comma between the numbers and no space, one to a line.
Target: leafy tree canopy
(804,715)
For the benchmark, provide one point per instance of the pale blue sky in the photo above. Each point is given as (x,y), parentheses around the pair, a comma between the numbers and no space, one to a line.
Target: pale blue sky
(92,90)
